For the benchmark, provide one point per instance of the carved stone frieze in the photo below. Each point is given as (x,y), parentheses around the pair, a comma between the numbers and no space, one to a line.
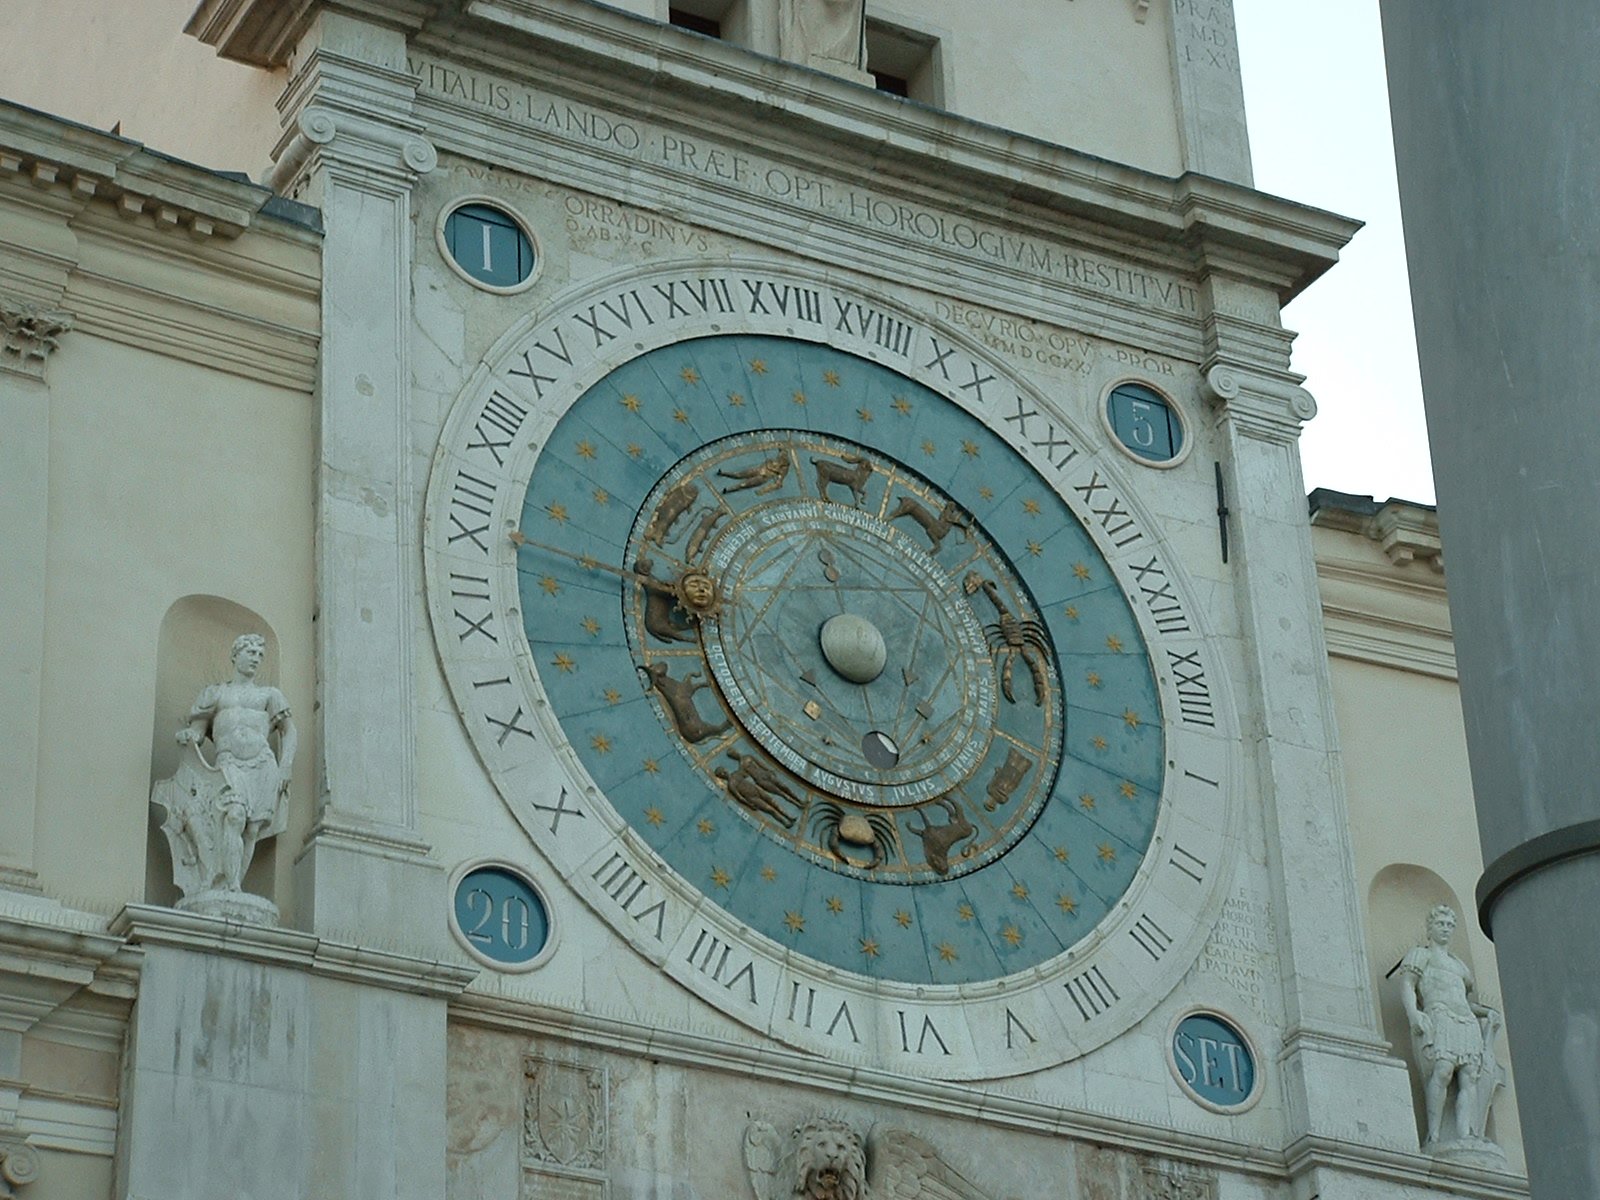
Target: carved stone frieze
(565,1129)
(28,333)
(824,1158)
(1107,1174)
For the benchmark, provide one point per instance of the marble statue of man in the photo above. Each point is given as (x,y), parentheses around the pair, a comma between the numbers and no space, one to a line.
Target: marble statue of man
(829,35)
(218,810)
(1453,1036)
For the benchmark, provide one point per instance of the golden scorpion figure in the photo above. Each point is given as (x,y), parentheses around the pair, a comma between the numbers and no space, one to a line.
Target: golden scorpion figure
(1012,636)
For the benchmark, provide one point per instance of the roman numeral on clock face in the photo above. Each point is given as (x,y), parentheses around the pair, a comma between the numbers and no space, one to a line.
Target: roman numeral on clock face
(1194,693)
(1091,993)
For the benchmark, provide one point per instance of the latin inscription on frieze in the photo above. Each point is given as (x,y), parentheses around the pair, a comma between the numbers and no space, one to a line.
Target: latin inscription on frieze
(1239,949)
(705,163)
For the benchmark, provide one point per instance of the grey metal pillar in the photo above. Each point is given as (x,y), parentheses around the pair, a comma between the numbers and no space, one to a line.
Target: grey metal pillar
(1496,112)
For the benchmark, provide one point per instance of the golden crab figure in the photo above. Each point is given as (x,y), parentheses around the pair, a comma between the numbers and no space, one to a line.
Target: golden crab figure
(873,832)
(1012,636)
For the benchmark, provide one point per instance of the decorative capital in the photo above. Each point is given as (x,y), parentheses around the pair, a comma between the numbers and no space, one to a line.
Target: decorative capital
(28,332)
(19,1164)
(1269,407)
(357,144)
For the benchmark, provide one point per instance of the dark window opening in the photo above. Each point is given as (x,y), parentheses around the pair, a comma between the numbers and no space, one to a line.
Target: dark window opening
(893,84)
(697,24)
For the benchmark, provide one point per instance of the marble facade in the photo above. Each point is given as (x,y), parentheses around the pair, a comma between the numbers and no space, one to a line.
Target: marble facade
(326,367)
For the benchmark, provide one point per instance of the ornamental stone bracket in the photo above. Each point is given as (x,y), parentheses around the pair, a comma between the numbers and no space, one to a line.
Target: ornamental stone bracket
(28,333)
(1265,407)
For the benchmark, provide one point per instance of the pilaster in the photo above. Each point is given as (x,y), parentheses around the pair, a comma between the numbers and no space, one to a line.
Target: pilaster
(1332,1052)
(352,147)
(1205,71)
(29,333)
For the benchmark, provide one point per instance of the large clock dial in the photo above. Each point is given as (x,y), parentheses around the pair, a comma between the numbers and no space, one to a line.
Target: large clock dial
(906,728)
(879,726)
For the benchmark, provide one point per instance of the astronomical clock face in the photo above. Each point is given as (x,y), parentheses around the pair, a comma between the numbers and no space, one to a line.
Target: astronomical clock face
(837,673)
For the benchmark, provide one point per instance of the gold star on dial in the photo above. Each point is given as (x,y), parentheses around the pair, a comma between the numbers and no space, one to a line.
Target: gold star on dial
(635,450)
(1113,643)
(799,398)
(795,922)
(1031,507)
(602,497)
(869,947)
(1061,854)
(681,417)
(831,378)
(1098,742)
(1012,936)
(1035,549)
(902,406)
(591,626)
(549,585)
(651,766)
(1087,802)
(735,399)
(1128,790)
(564,663)
(1107,852)
(558,513)
(601,743)
(611,696)
(1071,612)
(720,877)
(1092,679)
(769,873)
(929,448)
(758,365)
(1066,904)
(1081,570)
(947,952)
(835,905)
(903,919)
(970,449)
(1131,718)
(655,816)
(864,415)
(1019,890)
(690,375)
(630,402)
(585,449)
(705,827)
(964,911)
(986,493)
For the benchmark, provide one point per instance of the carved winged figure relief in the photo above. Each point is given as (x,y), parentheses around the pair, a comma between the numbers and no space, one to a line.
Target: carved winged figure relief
(825,1159)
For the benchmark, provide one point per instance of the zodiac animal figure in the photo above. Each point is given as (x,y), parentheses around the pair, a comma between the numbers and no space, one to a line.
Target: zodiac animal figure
(853,476)
(674,504)
(659,601)
(1012,636)
(1006,778)
(678,697)
(939,840)
(702,530)
(873,833)
(936,527)
(753,784)
(765,477)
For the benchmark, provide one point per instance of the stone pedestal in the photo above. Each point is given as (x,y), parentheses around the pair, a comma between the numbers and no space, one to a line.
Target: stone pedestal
(268,1062)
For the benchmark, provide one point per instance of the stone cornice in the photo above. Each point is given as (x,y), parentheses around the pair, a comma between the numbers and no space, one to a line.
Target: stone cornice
(147,925)
(1270,407)
(1407,532)
(101,168)
(263,33)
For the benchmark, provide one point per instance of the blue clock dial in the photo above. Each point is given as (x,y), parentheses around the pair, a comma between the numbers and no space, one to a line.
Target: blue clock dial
(841,658)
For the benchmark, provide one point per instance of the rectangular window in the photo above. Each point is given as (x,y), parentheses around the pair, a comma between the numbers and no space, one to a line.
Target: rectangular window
(905,62)
(684,19)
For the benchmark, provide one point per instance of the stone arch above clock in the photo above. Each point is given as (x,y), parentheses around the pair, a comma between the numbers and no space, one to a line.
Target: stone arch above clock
(514,687)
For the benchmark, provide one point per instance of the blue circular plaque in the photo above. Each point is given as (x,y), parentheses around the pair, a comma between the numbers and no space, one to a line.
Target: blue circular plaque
(1145,423)
(1213,1061)
(500,917)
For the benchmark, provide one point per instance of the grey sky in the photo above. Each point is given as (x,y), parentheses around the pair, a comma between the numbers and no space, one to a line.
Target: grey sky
(1319,133)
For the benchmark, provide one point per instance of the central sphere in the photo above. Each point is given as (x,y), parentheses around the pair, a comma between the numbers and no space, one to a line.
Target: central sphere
(853,647)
